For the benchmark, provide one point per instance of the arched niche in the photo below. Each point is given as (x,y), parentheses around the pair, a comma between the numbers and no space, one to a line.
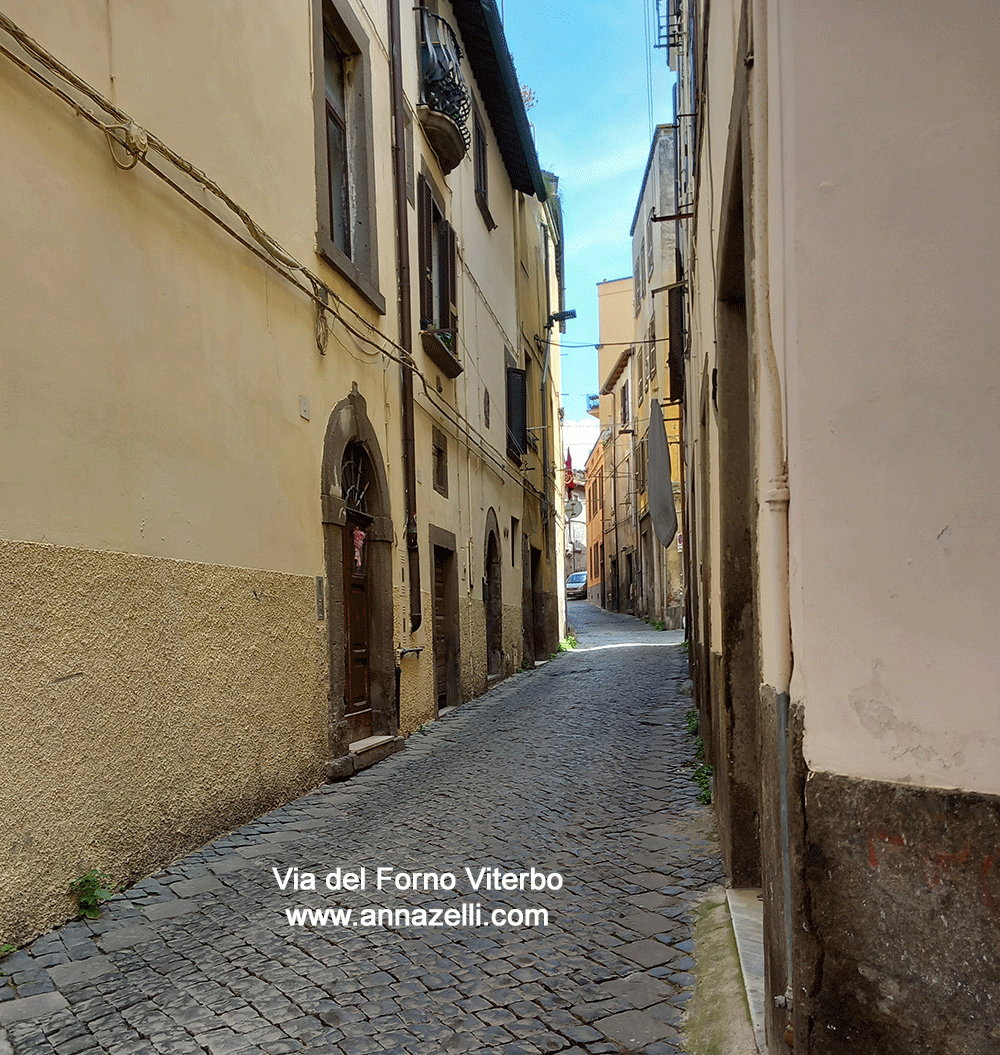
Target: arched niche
(493,596)
(358,536)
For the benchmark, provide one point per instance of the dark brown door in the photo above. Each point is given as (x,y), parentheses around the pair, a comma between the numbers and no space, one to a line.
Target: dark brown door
(357,606)
(441,559)
(494,608)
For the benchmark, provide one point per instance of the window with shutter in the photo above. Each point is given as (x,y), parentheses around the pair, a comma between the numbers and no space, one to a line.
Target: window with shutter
(517,413)
(675,353)
(345,187)
(438,278)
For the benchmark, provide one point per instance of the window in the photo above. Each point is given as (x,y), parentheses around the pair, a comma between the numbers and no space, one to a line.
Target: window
(480,157)
(652,350)
(624,398)
(439,455)
(641,269)
(649,250)
(345,191)
(438,270)
(517,413)
(530,387)
(640,466)
(486,408)
(335,95)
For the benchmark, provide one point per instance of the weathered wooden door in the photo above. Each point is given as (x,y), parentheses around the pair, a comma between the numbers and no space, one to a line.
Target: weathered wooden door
(357,643)
(494,608)
(441,558)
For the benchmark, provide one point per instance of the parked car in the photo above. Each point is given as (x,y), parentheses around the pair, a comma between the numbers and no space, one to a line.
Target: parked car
(576,585)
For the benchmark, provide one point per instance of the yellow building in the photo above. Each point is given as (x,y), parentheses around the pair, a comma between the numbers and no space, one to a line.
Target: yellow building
(657,378)
(280,404)
(615,368)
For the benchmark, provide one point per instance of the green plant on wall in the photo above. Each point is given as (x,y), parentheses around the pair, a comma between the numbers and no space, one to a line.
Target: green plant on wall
(90,891)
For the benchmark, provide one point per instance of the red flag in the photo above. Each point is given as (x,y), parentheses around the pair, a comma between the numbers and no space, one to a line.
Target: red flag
(569,473)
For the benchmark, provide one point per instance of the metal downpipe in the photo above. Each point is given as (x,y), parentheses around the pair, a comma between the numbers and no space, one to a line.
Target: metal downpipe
(405,318)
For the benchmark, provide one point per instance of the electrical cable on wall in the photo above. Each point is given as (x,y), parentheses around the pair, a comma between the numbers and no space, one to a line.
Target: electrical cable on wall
(138,143)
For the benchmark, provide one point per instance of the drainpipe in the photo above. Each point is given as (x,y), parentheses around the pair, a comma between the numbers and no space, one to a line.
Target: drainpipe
(614,500)
(405,318)
(548,504)
(776,638)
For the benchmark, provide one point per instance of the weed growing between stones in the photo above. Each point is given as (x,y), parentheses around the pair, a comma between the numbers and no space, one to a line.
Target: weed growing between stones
(702,776)
(90,890)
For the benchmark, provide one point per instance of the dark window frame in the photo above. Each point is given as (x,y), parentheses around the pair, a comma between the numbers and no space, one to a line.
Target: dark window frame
(517,413)
(437,279)
(439,460)
(356,259)
(481,168)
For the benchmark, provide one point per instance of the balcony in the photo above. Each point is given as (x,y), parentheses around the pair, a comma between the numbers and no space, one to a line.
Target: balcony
(594,405)
(440,346)
(444,97)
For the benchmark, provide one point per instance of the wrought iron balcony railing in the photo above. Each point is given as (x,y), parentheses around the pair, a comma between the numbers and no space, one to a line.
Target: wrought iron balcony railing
(443,91)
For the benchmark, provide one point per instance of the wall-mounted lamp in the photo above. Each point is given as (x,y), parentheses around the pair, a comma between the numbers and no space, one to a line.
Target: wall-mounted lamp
(560,316)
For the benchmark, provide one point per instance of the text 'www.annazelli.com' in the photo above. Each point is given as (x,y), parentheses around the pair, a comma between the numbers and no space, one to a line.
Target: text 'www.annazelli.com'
(468,914)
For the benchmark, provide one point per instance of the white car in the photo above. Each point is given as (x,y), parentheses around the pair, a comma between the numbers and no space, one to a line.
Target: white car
(576,585)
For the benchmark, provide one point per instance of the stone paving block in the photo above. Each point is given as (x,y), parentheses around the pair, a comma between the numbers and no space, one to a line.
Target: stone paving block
(632,1029)
(531,774)
(92,968)
(202,885)
(170,908)
(126,936)
(647,953)
(31,1007)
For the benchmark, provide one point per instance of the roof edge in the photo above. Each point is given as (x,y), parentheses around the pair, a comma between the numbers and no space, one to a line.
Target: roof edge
(512,89)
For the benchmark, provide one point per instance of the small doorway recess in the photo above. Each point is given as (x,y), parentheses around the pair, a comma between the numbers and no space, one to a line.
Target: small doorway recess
(356,481)
(492,599)
(446,644)
(358,538)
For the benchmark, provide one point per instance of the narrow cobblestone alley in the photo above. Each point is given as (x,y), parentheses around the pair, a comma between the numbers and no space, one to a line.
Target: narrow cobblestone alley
(581,767)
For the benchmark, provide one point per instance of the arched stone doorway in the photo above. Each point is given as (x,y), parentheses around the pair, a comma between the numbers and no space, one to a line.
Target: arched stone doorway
(357,532)
(493,598)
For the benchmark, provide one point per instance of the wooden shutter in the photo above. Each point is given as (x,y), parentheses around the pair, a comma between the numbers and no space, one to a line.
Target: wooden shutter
(447,279)
(451,258)
(425,245)
(675,354)
(517,412)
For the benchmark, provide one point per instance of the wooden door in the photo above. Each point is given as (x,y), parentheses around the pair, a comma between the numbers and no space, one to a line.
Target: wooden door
(494,608)
(441,561)
(357,643)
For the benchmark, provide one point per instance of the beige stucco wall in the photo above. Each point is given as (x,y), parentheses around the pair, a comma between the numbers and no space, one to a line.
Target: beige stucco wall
(874,211)
(894,417)
(146,705)
(149,365)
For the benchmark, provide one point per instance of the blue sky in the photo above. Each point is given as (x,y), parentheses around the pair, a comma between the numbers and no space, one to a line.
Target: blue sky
(586,63)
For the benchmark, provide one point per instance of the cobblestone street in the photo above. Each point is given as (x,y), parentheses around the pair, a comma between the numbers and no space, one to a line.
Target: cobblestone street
(581,767)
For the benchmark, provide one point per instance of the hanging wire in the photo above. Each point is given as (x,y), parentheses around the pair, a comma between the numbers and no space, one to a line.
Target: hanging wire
(137,144)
